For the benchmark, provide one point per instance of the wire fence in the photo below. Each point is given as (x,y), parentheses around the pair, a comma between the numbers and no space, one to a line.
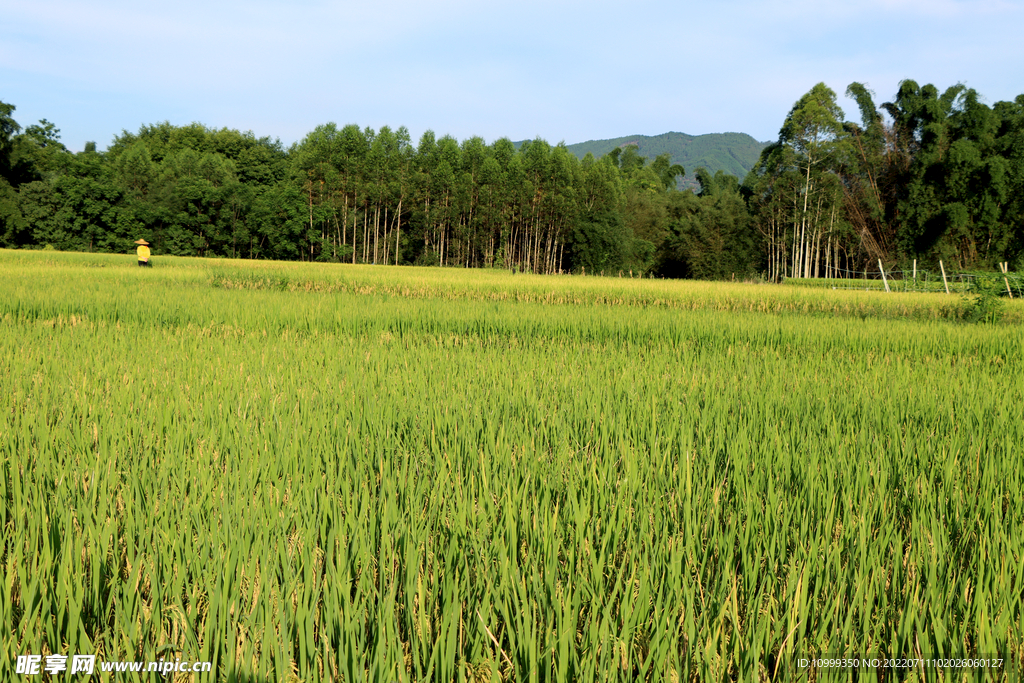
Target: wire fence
(917,280)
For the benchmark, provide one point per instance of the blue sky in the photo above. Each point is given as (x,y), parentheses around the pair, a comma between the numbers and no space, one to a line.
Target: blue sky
(560,70)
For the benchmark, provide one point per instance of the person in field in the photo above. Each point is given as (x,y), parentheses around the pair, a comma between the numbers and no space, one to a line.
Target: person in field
(143,252)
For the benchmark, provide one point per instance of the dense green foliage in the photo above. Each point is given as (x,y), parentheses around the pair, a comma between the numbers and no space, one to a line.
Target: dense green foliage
(341,195)
(328,472)
(929,176)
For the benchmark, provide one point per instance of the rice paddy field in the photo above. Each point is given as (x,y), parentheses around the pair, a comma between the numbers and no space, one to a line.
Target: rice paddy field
(307,472)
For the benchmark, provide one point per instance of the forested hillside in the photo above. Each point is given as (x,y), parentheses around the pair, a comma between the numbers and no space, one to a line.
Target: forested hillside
(929,175)
(733,153)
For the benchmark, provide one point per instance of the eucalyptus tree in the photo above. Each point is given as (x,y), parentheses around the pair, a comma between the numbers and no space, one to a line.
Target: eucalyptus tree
(400,163)
(434,178)
(315,171)
(563,202)
(512,196)
(421,218)
(813,130)
(772,190)
(446,166)
(600,185)
(388,169)
(794,189)
(474,153)
(536,159)
(489,209)
(349,159)
(377,186)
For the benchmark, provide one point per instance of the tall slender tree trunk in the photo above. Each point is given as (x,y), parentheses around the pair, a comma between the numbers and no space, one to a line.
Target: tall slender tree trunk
(426,224)
(828,256)
(386,242)
(796,238)
(323,227)
(510,251)
(344,222)
(310,194)
(355,226)
(376,230)
(366,233)
(398,230)
(537,249)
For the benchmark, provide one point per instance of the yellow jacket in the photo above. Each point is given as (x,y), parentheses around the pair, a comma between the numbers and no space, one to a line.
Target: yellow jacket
(143,252)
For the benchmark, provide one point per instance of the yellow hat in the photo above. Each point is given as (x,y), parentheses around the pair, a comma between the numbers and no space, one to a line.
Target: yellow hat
(143,242)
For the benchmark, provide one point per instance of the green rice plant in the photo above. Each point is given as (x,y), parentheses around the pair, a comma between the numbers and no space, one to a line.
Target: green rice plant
(350,482)
(489,285)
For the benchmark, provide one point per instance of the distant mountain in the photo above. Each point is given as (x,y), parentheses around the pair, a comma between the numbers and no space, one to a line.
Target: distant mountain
(734,153)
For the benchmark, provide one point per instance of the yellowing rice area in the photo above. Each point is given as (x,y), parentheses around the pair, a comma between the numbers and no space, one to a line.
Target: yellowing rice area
(346,473)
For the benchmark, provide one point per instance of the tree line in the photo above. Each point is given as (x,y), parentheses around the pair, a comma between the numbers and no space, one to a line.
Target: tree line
(931,175)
